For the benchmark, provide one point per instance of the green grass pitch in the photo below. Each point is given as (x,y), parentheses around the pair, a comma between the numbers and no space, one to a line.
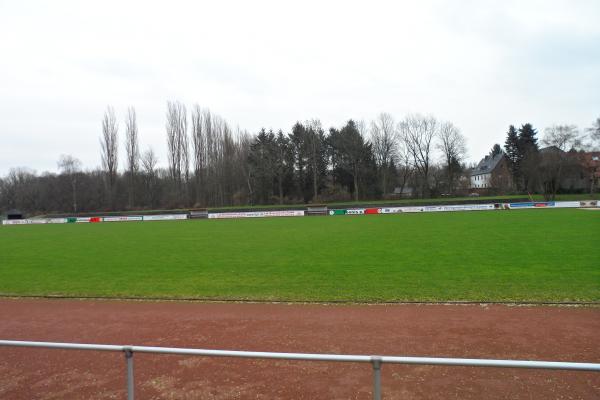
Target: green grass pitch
(518,255)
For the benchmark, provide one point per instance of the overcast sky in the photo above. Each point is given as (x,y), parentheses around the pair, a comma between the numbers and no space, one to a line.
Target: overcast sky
(480,64)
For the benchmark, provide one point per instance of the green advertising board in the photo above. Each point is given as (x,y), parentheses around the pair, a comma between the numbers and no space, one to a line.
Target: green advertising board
(337,212)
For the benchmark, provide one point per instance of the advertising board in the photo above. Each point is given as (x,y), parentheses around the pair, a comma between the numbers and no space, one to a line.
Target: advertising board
(257,214)
(123,218)
(337,212)
(16,222)
(390,210)
(355,211)
(164,217)
(567,204)
(538,204)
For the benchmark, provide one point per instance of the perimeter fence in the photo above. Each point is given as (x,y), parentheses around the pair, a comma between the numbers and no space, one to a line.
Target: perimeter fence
(375,361)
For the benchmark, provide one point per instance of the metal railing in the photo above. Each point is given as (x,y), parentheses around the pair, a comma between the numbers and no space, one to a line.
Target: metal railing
(375,361)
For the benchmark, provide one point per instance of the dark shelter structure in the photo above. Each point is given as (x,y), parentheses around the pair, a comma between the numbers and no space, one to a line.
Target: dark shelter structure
(14,214)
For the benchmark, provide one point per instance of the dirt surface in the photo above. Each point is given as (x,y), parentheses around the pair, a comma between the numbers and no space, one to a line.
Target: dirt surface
(474,331)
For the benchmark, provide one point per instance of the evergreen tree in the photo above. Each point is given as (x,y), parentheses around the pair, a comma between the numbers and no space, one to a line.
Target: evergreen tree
(511,147)
(310,158)
(262,159)
(315,142)
(351,157)
(528,153)
(527,142)
(496,150)
(455,166)
(297,139)
(284,164)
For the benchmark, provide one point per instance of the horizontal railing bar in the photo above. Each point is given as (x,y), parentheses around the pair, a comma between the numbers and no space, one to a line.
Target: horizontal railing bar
(64,346)
(465,362)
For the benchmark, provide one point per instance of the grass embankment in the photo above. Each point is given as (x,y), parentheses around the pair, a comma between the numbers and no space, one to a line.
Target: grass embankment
(525,255)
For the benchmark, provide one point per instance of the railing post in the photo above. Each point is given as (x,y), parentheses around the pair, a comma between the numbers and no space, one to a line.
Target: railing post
(376,362)
(129,359)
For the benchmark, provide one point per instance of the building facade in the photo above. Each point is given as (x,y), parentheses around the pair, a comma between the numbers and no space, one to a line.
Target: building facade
(492,173)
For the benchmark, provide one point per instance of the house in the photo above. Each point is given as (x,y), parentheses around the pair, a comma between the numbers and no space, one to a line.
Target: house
(492,172)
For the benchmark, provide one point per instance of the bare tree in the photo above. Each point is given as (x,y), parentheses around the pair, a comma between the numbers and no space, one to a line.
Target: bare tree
(214,127)
(19,189)
(554,162)
(384,138)
(109,151)
(217,156)
(133,151)
(227,169)
(563,137)
(199,151)
(417,132)
(404,167)
(149,161)
(453,146)
(177,142)
(594,130)
(70,166)
(218,130)
(245,189)
(363,128)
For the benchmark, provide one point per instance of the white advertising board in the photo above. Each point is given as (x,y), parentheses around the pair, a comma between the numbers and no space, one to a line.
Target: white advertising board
(38,221)
(355,211)
(258,214)
(567,204)
(459,207)
(411,209)
(35,221)
(390,210)
(16,222)
(164,217)
(448,208)
(122,218)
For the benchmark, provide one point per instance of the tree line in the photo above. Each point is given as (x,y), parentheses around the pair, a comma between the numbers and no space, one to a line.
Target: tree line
(209,164)
(536,169)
